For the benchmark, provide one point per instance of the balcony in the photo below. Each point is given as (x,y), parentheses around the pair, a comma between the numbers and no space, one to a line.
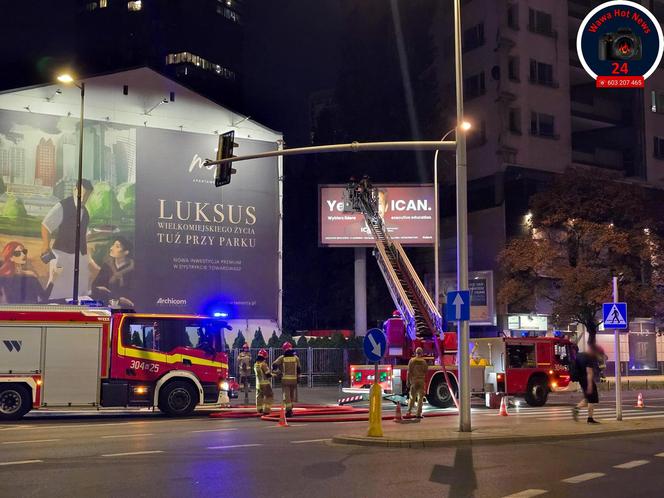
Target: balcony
(602,158)
(601,110)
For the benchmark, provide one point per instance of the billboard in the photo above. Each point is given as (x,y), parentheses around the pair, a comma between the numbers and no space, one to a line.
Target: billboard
(408,211)
(156,234)
(482,298)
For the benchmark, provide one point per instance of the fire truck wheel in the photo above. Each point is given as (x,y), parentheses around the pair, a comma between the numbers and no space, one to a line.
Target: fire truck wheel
(439,394)
(177,399)
(537,392)
(15,401)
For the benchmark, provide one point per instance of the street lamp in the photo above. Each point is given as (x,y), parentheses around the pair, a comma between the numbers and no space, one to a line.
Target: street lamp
(465,126)
(69,79)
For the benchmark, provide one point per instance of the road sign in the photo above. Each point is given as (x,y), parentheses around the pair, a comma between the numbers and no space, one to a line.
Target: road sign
(615,315)
(458,306)
(375,345)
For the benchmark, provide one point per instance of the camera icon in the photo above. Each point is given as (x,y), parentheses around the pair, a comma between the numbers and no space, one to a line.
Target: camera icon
(623,45)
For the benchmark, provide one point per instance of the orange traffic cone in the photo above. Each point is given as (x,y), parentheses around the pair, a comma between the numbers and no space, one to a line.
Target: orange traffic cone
(282,417)
(639,401)
(397,414)
(503,407)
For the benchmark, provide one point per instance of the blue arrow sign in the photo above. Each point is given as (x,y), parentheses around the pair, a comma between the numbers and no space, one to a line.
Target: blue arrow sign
(375,345)
(615,315)
(458,306)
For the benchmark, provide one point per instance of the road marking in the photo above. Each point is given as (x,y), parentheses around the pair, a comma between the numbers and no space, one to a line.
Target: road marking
(311,441)
(583,477)
(32,441)
(527,493)
(661,455)
(117,436)
(21,462)
(230,446)
(133,453)
(215,430)
(289,425)
(631,465)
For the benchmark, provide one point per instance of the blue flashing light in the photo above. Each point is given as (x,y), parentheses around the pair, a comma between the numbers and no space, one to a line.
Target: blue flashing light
(525,334)
(220,314)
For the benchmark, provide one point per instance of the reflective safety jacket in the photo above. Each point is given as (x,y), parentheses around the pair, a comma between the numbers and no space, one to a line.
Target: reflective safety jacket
(289,366)
(263,373)
(417,369)
(244,363)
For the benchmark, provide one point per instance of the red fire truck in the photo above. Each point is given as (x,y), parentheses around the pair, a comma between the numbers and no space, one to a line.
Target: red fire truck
(77,356)
(527,366)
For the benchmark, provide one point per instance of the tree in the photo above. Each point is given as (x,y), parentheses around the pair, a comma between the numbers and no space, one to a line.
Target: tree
(285,337)
(14,208)
(302,342)
(126,197)
(258,341)
(103,206)
(239,341)
(274,341)
(587,228)
(338,341)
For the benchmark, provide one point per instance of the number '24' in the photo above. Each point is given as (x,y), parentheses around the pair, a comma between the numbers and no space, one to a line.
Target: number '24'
(620,68)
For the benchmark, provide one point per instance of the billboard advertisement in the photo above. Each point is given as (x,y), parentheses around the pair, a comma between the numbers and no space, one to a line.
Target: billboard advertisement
(482,298)
(155,232)
(407,210)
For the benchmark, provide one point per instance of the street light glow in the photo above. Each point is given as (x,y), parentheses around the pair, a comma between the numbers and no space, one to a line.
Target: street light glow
(465,126)
(65,78)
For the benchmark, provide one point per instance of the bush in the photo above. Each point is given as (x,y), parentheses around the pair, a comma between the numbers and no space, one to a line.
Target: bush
(259,341)
(274,341)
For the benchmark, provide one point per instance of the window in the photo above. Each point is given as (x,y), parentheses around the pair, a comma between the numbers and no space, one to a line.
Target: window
(168,334)
(515,120)
(103,4)
(541,73)
(521,356)
(473,37)
(91,6)
(540,22)
(196,60)
(229,14)
(657,102)
(134,6)
(659,147)
(513,16)
(513,69)
(542,125)
(474,86)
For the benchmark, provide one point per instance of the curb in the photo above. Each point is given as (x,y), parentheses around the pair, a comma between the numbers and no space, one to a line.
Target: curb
(481,439)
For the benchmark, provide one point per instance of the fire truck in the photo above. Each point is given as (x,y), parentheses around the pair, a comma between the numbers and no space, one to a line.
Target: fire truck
(78,356)
(530,366)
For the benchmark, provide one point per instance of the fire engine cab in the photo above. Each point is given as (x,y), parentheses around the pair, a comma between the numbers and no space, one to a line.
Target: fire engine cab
(77,356)
(531,367)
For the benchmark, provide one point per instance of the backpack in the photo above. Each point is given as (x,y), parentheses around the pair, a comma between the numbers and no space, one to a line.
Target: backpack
(575,370)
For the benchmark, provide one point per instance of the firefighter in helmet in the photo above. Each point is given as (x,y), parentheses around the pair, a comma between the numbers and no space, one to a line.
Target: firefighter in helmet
(417,371)
(288,365)
(264,395)
(244,370)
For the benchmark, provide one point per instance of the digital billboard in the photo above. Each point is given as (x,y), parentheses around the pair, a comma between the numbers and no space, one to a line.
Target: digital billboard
(408,212)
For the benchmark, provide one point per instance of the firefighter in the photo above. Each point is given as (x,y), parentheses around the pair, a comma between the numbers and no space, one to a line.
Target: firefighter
(417,371)
(264,395)
(244,370)
(288,365)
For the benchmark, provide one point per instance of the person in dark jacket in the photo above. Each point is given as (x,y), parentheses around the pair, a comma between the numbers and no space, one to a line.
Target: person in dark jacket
(19,285)
(587,365)
(115,280)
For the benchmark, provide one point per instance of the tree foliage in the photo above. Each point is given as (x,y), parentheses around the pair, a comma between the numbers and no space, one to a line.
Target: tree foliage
(273,342)
(587,228)
(14,208)
(259,340)
(103,205)
(239,340)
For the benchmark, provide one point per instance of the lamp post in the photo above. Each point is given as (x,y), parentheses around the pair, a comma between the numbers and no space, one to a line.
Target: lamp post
(465,126)
(68,79)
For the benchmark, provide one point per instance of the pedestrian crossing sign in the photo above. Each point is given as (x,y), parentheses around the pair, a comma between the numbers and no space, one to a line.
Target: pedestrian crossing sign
(615,315)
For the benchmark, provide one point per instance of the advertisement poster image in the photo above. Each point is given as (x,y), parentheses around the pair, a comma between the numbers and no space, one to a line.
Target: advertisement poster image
(156,234)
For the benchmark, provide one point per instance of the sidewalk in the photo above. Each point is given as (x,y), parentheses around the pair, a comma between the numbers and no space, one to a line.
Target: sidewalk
(491,429)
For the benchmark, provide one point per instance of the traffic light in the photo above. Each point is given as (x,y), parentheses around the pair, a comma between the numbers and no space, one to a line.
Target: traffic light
(224,151)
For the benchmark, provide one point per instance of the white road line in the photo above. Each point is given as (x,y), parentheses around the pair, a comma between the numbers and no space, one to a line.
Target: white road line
(32,441)
(230,446)
(215,430)
(583,477)
(133,453)
(661,455)
(631,465)
(21,462)
(118,436)
(311,441)
(527,493)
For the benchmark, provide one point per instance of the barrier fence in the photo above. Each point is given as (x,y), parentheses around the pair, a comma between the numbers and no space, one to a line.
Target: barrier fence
(320,366)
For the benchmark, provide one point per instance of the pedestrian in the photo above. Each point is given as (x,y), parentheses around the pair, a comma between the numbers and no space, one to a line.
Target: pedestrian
(264,394)
(417,371)
(244,370)
(288,365)
(585,371)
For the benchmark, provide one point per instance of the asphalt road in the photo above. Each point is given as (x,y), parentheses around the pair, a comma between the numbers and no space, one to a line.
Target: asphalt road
(150,455)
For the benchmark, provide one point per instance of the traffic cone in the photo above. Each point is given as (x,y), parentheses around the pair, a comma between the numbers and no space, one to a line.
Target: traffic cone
(282,417)
(639,401)
(503,407)
(397,414)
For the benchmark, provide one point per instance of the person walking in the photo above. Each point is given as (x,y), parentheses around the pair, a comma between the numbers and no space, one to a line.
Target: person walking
(586,366)
(417,371)
(289,366)
(264,394)
(244,370)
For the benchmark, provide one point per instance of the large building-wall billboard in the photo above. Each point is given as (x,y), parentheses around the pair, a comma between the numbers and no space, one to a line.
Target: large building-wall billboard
(408,212)
(156,232)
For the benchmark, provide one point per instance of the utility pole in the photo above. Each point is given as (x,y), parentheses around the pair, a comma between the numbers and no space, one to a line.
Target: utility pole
(616,342)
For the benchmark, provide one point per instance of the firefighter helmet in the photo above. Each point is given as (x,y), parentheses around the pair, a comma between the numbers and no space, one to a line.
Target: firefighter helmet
(396,314)
(287,346)
(419,351)
(262,352)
